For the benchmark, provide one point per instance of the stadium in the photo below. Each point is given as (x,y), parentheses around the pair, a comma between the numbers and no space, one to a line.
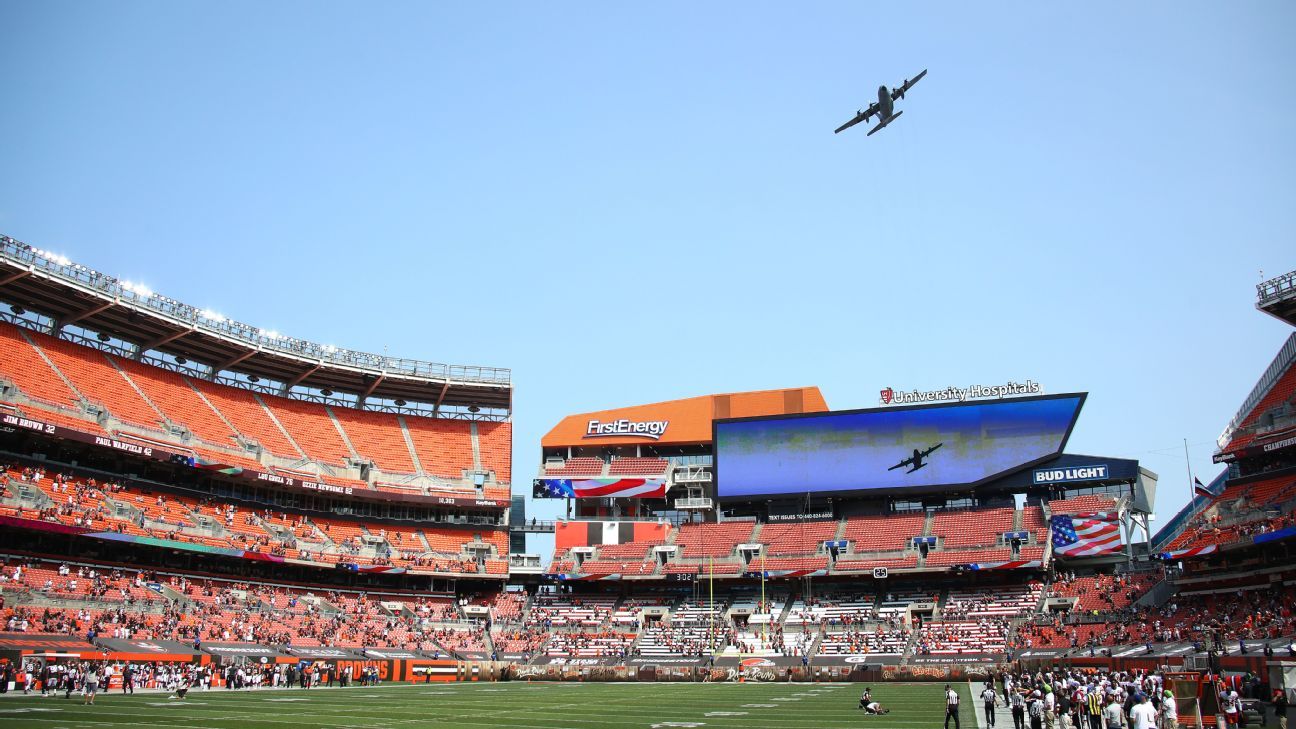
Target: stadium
(193,500)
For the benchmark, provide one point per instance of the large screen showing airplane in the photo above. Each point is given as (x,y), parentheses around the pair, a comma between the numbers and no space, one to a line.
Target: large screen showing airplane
(890,448)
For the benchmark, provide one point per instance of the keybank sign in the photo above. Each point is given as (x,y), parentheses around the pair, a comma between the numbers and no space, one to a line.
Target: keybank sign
(1066,475)
(652,429)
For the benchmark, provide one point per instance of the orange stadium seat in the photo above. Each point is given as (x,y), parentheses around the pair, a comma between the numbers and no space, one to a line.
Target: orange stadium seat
(967,556)
(311,427)
(171,393)
(241,408)
(495,441)
(1082,504)
(576,467)
(444,447)
(972,528)
(889,533)
(377,436)
(92,373)
(1282,392)
(797,537)
(638,467)
(20,363)
(713,540)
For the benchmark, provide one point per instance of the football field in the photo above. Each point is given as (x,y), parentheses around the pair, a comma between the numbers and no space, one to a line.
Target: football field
(516,704)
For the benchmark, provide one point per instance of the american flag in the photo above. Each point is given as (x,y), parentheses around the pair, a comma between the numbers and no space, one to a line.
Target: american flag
(640,488)
(1085,536)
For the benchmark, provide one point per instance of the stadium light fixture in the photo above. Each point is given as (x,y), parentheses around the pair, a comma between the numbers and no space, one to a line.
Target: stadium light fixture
(58,258)
(138,289)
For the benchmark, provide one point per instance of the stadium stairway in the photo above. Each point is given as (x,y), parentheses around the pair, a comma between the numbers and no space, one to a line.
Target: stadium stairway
(409,443)
(80,395)
(242,437)
(171,425)
(346,439)
(422,538)
(284,431)
(475,440)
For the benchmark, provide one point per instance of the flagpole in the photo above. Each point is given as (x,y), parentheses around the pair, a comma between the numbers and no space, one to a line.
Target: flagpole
(1192,492)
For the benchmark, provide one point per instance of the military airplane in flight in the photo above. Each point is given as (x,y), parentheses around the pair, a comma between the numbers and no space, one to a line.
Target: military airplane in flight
(883,107)
(916,460)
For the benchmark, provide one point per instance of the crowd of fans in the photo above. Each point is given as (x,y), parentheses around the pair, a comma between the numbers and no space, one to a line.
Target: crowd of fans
(204,520)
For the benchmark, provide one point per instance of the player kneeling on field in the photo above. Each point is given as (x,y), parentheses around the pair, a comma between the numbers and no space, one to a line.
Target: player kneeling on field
(870,706)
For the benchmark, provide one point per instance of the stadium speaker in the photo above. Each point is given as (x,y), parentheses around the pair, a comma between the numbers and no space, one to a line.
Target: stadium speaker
(326,392)
(253,379)
(17,309)
(474,409)
(181,360)
(102,336)
(400,403)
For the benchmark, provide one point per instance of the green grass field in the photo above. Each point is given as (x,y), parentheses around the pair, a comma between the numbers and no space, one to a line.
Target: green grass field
(538,705)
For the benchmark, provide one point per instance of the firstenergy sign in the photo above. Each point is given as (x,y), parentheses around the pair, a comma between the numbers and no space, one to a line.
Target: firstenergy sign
(623,428)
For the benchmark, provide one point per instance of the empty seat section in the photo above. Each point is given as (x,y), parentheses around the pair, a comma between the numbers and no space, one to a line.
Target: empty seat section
(885,533)
(1081,504)
(638,467)
(968,556)
(1033,522)
(312,428)
(856,563)
(99,381)
(797,538)
(64,419)
(377,436)
(172,395)
(713,540)
(22,364)
(444,447)
(972,528)
(241,408)
(495,441)
(573,467)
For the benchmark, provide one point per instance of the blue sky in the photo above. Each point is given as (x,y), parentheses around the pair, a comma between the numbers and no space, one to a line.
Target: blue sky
(1085,196)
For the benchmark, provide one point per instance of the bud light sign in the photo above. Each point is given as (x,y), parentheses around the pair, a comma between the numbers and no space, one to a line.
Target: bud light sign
(1068,475)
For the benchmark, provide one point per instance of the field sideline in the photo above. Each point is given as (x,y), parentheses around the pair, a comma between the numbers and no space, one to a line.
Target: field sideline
(515,704)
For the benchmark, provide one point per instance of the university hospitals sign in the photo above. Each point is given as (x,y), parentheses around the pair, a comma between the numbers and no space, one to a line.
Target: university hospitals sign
(892,396)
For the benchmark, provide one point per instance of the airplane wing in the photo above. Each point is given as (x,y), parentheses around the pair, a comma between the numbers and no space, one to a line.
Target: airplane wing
(932,450)
(901,464)
(899,91)
(859,117)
